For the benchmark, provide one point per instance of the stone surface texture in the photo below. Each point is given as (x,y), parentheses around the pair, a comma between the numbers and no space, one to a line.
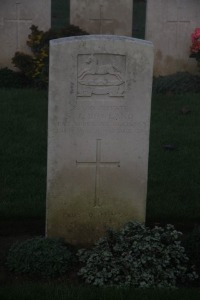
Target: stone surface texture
(98,135)
(103,16)
(169,25)
(16,18)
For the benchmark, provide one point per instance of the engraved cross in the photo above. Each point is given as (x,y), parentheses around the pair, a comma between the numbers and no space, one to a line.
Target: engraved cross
(18,21)
(98,164)
(101,19)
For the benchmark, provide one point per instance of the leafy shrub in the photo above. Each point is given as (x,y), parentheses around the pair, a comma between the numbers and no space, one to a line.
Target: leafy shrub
(181,82)
(35,67)
(40,256)
(192,246)
(11,79)
(137,256)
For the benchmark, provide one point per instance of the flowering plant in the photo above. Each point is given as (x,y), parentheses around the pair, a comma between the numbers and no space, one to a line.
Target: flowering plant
(35,67)
(195,48)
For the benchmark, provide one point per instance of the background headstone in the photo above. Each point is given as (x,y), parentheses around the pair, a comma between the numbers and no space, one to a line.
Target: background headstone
(98,135)
(16,17)
(103,16)
(169,25)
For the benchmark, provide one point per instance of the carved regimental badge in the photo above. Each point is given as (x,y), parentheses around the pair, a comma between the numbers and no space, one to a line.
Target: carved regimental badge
(101,74)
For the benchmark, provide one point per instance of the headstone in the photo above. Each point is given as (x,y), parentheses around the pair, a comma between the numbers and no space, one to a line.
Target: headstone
(103,16)
(169,27)
(98,135)
(16,18)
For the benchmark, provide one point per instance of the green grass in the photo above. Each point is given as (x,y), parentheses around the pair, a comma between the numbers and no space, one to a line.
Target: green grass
(174,176)
(61,292)
(23,135)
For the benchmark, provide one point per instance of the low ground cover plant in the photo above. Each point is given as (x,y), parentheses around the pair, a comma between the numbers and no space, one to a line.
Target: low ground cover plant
(192,246)
(137,256)
(178,83)
(13,79)
(40,256)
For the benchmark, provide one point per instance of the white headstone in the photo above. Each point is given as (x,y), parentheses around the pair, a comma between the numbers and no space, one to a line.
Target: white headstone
(103,16)
(98,135)
(169,25)
(16,18)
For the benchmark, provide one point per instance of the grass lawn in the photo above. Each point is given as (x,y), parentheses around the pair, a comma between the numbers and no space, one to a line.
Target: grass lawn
(23,134)
(60,292)
(174,176)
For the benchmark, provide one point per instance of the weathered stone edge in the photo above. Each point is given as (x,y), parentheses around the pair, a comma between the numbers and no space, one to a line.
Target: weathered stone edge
(98,37)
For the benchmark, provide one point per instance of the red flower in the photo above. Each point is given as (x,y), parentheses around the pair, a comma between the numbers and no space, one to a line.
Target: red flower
(196,35)
(195,48)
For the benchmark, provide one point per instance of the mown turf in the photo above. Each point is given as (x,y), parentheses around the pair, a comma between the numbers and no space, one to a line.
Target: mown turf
(174,175)
(59,292)
(23,135)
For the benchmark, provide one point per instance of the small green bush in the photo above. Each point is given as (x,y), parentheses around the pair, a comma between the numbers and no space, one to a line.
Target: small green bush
(36,66)
(181,82)
(192,246)
(40,256)
(12,79)
(137,256)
